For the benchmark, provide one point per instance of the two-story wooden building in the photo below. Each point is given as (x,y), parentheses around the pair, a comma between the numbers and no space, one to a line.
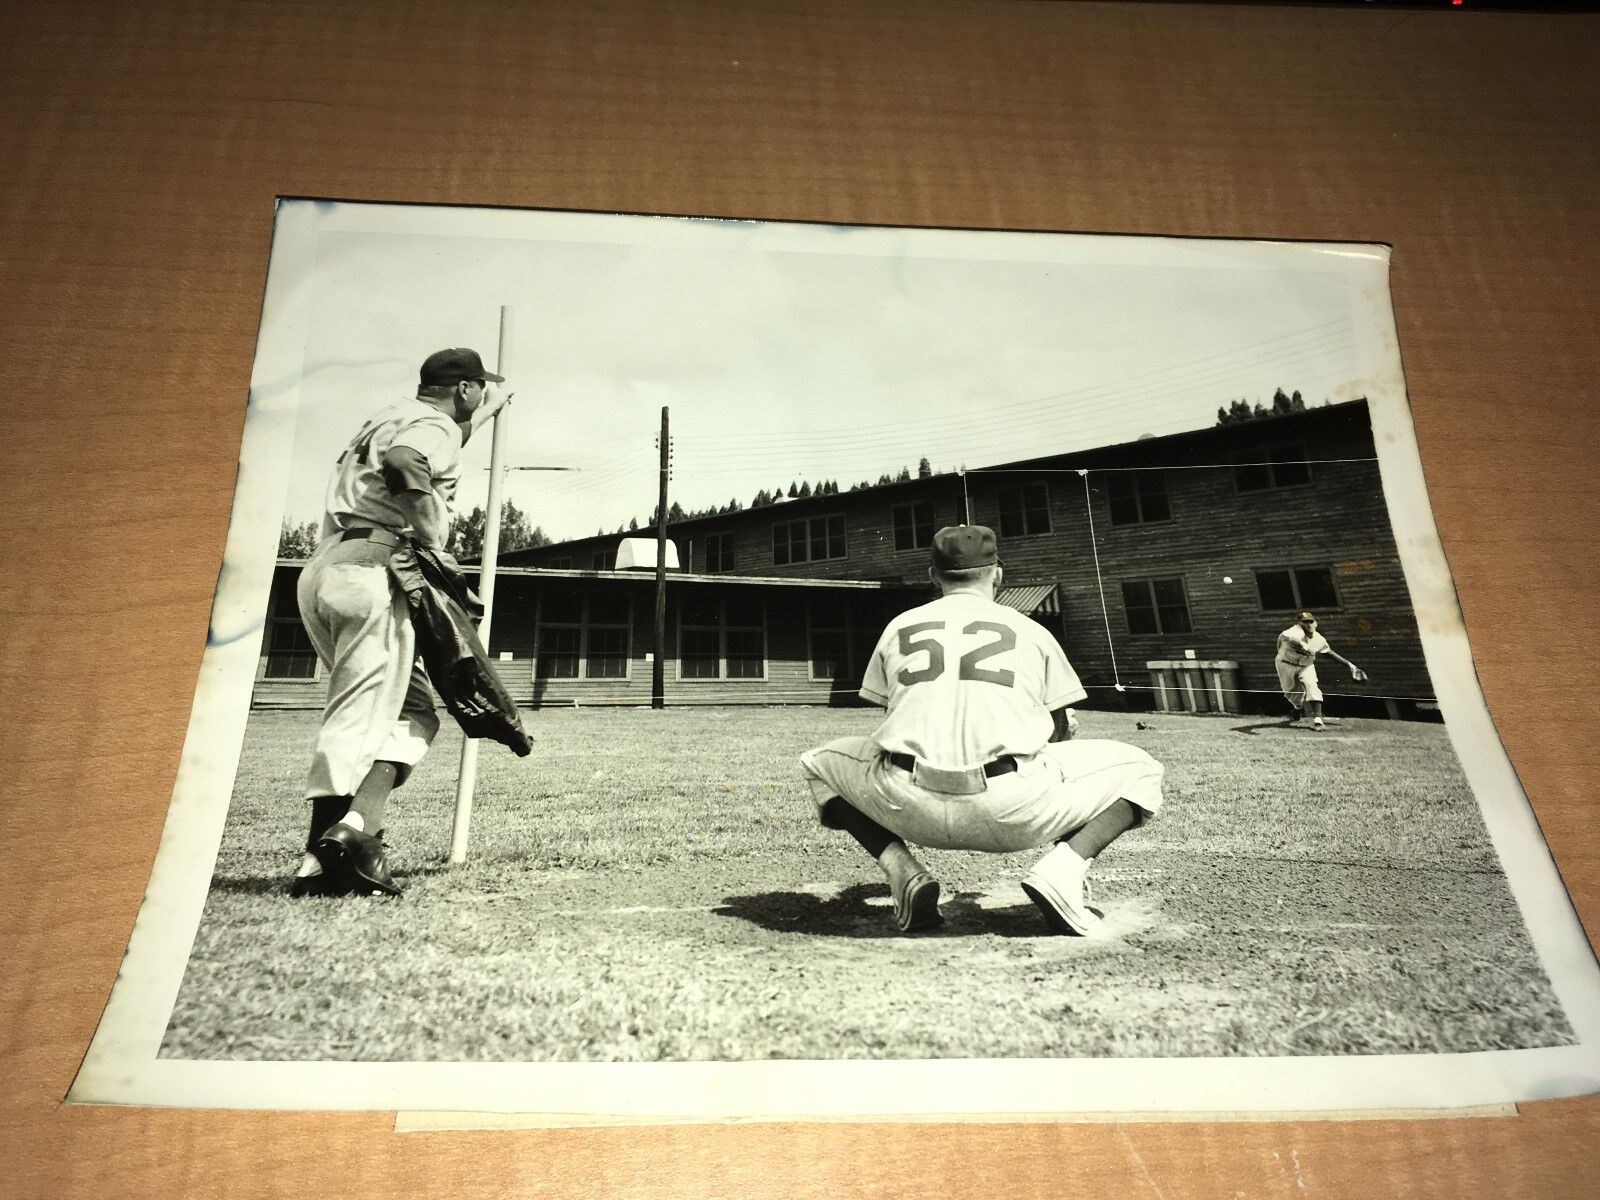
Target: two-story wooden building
(1201,545)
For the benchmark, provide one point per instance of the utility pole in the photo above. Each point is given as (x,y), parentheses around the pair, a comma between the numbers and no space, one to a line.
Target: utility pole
(467,777)
(658,675)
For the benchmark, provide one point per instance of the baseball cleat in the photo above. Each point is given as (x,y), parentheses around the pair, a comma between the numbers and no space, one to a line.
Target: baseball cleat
(916,905)
(1056,884)
(358,859)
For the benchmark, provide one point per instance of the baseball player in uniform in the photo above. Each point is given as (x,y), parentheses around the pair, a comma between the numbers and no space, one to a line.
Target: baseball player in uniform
(975,752)
(396,480)
(1298,648)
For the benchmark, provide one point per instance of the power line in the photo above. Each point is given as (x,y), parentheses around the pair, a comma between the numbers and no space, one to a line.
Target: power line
(932,433)
(1095,392)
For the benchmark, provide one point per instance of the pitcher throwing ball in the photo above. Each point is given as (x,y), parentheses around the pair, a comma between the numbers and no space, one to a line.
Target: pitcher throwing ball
(975,753)
(1296,660)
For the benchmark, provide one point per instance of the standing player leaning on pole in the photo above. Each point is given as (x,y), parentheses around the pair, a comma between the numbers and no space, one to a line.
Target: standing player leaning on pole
(975,753)
(393,486)
(1296,660)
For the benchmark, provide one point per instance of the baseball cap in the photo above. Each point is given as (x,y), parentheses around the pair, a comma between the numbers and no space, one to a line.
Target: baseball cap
(446,367)
(962,547)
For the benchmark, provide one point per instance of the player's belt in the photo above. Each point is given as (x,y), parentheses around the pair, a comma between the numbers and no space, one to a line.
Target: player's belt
(1003,765)
(383,537)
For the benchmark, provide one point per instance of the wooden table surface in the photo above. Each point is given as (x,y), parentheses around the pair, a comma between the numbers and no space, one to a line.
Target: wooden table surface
(143,146)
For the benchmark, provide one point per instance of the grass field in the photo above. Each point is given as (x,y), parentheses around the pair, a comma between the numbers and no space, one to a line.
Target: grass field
(653,885)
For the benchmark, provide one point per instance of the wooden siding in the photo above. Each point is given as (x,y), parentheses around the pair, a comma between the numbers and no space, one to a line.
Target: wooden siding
(869,535)
(1215,533)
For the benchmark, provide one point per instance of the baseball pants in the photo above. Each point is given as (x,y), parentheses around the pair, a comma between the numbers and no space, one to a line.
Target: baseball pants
(1050,795)
(380,706)
(1299,684)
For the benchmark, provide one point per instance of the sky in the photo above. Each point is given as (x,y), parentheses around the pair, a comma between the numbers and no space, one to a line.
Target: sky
(798,352)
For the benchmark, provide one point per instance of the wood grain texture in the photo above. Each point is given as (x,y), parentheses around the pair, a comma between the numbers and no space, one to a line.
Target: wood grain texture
(144,144)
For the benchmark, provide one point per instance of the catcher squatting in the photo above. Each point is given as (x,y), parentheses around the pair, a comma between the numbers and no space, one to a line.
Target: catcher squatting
(976,751)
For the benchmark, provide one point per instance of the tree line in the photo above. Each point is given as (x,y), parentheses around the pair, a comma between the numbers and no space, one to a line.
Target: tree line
(798,489)
(1282,404)
(517,532)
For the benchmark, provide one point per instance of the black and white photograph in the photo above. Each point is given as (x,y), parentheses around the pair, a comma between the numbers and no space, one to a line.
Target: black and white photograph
(672,667)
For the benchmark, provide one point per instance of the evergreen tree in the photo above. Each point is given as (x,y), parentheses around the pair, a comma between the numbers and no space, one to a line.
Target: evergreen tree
(516,532)
(297,541)
(924,468)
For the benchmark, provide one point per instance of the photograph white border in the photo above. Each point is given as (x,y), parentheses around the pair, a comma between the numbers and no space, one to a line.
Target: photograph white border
(123,1067)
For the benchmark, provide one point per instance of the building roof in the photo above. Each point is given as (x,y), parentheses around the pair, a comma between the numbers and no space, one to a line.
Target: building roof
(502,571)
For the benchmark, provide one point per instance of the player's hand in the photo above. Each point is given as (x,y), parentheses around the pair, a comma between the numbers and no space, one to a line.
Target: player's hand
(1358,674)
(495,398)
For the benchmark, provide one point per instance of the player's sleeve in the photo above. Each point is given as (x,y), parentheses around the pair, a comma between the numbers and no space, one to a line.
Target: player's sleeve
(875,683)
(405,470)
(435,437)
(1061,684)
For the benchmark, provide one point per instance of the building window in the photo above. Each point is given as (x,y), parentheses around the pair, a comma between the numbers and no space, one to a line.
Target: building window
(721,638)
(290,654)
(1297,589)
(913,525)
(564,563)
(719,552)
(1156,606)
(808,540)
(829,644)
(1279,466)
(286,644)
(1138,496)
(583,637)
(601,561)
(1025,510)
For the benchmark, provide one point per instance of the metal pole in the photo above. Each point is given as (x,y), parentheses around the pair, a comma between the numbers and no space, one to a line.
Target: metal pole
(658,676)
(467,778)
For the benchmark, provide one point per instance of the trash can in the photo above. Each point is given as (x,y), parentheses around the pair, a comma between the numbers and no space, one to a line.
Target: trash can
(1191,685)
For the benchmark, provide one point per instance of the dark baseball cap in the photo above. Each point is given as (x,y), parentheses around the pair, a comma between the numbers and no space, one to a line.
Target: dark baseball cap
(962,547)
(449,367)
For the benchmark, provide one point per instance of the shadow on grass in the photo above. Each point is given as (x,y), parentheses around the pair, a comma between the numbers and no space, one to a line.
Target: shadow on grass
(1286,723)
(850,915)
(278,885)
(251,885)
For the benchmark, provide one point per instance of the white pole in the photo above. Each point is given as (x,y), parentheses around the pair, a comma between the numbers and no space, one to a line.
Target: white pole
(467,778)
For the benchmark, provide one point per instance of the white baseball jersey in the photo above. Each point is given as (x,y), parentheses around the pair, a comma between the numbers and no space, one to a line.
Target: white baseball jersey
(358,494)
(1296,648)
(967,680)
